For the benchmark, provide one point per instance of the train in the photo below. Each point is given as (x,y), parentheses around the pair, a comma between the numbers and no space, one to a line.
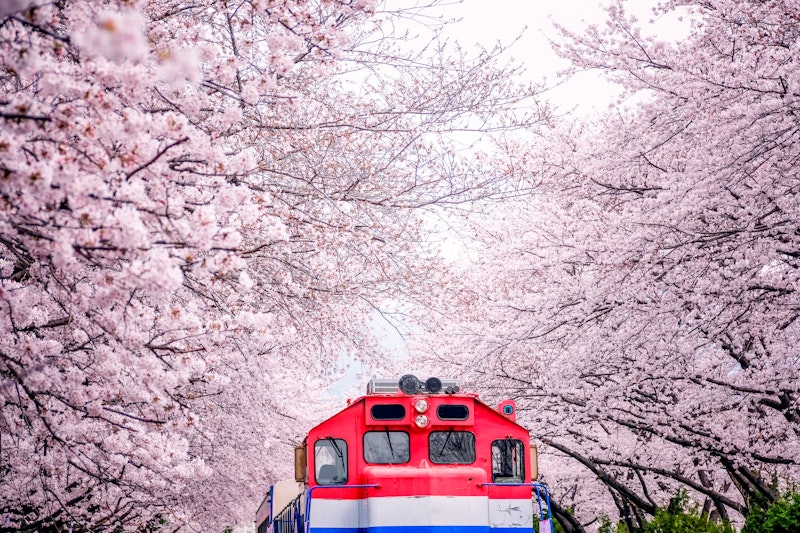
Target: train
(413,456)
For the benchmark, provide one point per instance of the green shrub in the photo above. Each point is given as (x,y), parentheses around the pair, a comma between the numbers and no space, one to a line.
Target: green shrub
(684,522)
(782,516)
(678,519)
(607,526)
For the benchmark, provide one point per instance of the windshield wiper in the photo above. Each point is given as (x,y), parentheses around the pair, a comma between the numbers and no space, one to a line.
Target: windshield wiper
(336,447)
(389,440)
(446,440)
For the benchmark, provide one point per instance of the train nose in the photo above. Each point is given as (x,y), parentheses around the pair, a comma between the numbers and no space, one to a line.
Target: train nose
(429,514)
(427,500)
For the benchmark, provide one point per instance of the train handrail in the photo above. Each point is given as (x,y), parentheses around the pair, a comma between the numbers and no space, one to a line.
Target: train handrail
(288,520)
(310,491)
(537,486)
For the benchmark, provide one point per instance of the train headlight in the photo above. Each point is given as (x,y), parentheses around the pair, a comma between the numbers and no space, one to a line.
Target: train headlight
(421,405)
(421,420)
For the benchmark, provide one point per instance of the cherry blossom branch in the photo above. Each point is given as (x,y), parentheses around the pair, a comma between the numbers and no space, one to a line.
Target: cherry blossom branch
(156,157)
(677,476)
(603,476)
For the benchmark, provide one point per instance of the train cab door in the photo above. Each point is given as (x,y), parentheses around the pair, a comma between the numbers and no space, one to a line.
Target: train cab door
(335,504)
(510,503)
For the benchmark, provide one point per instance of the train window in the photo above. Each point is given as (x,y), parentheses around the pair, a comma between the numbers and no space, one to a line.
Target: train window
(452,412)
(388,411)
(330,461)
(451,447)
(386,447)
(508,465)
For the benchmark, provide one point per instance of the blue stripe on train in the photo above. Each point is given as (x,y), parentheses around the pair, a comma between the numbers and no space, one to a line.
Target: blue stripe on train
(422,529)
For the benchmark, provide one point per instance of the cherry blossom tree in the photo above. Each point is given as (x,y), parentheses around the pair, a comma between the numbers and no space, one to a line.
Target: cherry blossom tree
(203,204)
(642,304)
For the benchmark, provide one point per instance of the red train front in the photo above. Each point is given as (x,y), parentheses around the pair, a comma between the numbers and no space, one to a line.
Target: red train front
(411,456)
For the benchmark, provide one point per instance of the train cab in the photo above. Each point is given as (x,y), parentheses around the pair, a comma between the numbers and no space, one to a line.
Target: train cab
(422,456)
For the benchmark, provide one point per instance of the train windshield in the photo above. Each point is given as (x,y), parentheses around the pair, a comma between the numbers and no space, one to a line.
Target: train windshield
(451,447)
(330,461)
(386,447)
(507,461)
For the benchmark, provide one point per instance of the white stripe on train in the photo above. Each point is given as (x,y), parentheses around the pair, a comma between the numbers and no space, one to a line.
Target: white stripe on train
(417,511)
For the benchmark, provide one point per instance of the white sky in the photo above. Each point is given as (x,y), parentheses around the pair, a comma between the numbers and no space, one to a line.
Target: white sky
(486,22)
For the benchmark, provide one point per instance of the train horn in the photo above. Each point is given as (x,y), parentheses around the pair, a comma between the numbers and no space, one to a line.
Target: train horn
(433,385)
(409,384)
